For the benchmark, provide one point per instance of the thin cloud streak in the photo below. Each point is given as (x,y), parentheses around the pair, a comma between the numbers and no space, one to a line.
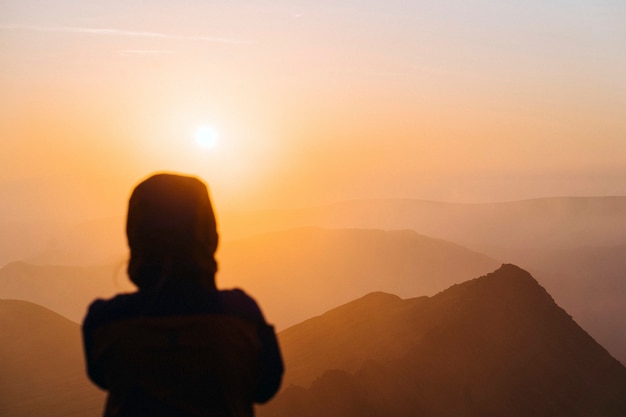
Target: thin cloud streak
(120,32)
(149,52)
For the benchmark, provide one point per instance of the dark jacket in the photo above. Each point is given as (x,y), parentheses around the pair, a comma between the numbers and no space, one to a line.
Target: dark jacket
(181,350)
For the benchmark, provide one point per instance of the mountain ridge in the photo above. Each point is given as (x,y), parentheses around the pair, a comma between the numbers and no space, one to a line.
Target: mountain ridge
(494,345)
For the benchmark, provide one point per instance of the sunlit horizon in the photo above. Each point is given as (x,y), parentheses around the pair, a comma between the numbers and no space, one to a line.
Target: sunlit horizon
(316,103)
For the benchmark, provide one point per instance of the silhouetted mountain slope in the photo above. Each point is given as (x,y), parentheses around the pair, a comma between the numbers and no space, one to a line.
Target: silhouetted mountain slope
(493,346)
(591,285)
(372,327)
(41,362)
(299,273)
(66,290)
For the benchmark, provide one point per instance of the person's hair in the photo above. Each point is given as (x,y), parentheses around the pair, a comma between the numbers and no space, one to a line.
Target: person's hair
(171,231)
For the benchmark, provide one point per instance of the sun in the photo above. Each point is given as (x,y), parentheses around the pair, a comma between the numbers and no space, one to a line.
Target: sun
(206,137)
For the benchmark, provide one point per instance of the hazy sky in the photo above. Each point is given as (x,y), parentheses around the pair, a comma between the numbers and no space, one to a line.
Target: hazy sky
(319,101)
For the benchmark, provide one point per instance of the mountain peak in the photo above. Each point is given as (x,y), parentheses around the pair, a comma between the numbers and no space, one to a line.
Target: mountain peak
(508,303)
(508,285)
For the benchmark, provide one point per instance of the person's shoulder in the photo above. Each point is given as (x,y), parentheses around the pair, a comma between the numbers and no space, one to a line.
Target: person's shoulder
(102,311)
(237,302)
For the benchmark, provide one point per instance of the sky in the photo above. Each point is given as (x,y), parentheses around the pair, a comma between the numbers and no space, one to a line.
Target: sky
(312,102)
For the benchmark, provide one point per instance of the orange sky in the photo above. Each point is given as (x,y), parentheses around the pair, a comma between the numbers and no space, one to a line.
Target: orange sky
(318,101)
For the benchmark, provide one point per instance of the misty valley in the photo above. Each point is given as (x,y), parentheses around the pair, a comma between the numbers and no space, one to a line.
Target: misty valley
(383,307)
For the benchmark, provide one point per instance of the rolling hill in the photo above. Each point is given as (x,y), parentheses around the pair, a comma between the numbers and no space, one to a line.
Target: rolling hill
(42,366)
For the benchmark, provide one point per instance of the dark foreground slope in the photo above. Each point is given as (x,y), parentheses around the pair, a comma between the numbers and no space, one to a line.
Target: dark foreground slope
(494,346)
(41,365)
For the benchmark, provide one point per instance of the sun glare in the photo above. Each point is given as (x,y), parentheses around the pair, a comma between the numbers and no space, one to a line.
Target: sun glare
(206,137)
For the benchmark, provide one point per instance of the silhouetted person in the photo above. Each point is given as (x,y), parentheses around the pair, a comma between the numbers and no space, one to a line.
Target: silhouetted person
(178,346)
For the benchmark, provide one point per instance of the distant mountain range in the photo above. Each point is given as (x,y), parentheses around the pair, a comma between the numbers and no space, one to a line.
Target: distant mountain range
(574,246)
(66,290)
(294,274)
(68,215)
(300,273)
(41,365)
(499,229)
(503,230)
(493,346)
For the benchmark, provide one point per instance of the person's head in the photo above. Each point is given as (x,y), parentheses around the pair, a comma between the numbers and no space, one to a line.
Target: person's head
(171,230)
